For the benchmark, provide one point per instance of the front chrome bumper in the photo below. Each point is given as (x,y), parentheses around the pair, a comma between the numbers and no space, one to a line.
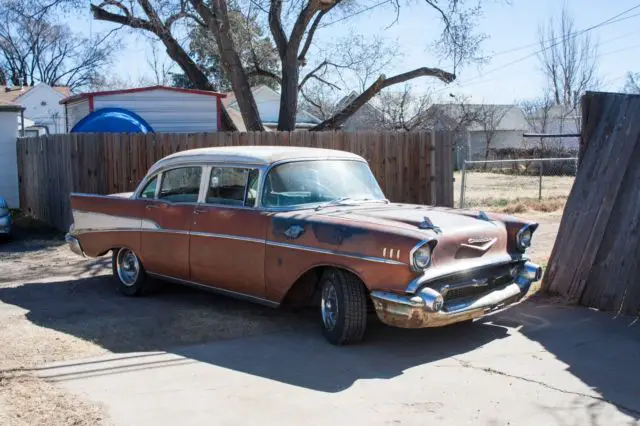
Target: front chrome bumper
(74,245)
(427,309)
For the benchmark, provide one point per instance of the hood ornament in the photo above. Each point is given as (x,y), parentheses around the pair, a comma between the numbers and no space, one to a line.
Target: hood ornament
(427,224)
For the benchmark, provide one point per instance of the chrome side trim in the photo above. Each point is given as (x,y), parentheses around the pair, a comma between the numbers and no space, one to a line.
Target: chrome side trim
(334,252)
(432,274)
(96,221)
(213,289)
(228,237)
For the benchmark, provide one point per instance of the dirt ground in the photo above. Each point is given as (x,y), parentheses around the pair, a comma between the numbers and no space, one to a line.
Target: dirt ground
(56,306)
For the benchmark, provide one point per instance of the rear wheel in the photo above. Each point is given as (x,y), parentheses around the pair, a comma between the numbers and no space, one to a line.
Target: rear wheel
(129,273)
(343,307)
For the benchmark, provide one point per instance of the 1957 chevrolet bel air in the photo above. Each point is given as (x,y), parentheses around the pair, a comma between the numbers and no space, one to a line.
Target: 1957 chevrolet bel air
(305,226)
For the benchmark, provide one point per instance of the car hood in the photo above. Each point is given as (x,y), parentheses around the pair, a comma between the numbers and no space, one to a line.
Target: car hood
(445,221)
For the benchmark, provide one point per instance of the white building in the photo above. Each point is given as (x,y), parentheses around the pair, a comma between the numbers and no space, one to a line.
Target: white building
(268,103)
(164,109)
(9,129)
(41,104)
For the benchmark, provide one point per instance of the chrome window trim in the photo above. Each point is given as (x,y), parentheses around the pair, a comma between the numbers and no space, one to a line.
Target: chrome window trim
(210,168)
(162,172)
(223,291)
(334,252)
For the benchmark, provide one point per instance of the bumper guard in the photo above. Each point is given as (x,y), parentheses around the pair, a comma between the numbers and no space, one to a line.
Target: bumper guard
(427,309)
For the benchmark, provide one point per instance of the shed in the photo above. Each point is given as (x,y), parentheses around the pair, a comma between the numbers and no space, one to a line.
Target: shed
(164,109)
(10,117)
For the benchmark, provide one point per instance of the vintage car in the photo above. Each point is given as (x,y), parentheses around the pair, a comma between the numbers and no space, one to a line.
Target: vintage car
(305,226)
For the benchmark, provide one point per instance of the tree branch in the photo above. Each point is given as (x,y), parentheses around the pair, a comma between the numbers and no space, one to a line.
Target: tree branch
(102,15)
(341,116)
(258,72)
(310,34)
(275,24)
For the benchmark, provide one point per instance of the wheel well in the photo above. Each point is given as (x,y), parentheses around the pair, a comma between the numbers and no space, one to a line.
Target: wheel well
(305,291)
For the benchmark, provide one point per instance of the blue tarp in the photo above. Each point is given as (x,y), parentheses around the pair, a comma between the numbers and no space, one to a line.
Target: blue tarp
(112,120)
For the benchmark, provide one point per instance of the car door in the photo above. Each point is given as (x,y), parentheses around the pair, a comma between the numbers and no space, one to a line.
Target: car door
(168,217)
(227,245)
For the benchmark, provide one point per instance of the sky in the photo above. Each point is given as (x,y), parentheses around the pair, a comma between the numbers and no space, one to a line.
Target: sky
(509,25)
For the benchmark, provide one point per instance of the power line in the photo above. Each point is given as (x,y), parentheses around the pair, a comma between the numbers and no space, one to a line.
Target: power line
(526,46)
(610,20)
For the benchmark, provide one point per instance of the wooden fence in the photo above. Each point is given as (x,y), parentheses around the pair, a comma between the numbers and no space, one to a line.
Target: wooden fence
(410,167)
(596,257)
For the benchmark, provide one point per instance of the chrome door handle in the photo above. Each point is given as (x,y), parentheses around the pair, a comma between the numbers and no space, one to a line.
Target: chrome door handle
(198,211)
(150,206)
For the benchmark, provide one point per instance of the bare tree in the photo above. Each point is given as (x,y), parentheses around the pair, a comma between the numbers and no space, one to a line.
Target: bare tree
(490,118)
(569,60)
(34,47)
(404,110)
(538,114)
(293,25)
(161,69)
(632,84)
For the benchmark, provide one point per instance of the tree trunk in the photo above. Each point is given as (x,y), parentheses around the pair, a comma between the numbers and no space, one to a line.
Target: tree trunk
(217,21)
(289,94)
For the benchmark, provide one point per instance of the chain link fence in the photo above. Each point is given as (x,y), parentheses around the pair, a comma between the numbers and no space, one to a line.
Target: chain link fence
(498,183)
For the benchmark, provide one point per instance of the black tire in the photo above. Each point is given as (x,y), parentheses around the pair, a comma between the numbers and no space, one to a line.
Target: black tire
(139,286)
(348,295)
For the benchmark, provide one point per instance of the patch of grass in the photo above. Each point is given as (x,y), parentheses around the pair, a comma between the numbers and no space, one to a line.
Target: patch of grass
(519,205)
(27,400)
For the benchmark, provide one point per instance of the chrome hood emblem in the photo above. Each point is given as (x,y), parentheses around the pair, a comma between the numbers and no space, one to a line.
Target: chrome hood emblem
(480,243)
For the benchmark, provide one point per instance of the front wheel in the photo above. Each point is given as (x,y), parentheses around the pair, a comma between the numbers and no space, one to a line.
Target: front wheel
(343,307)
(129,273)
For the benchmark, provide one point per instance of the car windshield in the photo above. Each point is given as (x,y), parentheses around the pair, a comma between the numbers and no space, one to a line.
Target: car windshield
(321,181)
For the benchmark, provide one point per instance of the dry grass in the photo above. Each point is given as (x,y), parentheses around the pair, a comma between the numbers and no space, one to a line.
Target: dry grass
(513,193)
(26,400)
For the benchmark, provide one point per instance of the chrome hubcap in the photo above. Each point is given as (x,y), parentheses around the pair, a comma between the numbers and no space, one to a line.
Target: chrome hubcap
(329,306)
(128,267)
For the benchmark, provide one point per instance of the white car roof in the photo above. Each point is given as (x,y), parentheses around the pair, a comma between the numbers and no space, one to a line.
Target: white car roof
(257,155)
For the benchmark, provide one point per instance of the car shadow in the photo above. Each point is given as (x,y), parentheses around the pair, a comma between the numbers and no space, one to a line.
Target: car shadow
(279,344)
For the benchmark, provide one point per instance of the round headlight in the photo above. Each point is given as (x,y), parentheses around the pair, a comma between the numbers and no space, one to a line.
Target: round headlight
(524,238)
(422,257)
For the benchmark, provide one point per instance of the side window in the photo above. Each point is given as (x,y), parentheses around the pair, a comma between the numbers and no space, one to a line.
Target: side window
(227,186)
(149,191)
(181,185)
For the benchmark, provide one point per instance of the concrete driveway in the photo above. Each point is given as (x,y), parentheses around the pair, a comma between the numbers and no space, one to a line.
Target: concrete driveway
(537,364)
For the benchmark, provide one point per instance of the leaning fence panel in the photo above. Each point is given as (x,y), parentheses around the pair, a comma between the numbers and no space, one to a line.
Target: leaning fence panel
(499,183)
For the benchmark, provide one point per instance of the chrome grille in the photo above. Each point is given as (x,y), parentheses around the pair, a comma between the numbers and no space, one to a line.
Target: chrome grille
(461,286)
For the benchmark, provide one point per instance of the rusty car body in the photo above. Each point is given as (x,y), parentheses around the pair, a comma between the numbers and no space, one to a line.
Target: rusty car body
(281,225)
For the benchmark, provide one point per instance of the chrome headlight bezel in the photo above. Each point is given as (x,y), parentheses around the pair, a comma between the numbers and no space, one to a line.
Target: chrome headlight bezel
(523,238)
(420,249)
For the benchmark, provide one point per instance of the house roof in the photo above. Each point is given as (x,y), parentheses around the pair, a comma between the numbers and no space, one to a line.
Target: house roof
(10,106)
(86,95)
(258,155)
(230,103)
(510,117)
(12,93)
